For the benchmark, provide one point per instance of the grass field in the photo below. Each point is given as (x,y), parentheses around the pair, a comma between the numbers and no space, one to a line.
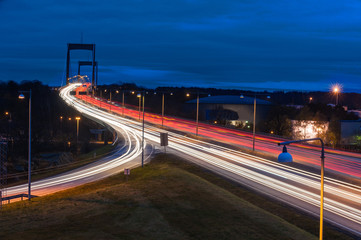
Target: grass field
(167,199)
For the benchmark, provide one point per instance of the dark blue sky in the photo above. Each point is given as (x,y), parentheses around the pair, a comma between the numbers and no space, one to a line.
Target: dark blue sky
(306,45)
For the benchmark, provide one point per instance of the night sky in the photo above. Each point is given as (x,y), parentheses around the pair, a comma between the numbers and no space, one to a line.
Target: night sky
(305,45)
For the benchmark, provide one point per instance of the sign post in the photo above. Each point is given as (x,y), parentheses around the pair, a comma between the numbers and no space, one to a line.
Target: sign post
(164,140)
(126,173)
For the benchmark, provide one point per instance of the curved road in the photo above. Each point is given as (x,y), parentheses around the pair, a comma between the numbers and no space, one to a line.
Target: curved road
(283,182)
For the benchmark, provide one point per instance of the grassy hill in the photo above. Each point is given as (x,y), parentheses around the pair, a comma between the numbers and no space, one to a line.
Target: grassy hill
(167,199)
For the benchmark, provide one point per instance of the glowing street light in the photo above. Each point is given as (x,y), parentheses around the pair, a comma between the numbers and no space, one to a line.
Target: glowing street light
(287,157)
(21,96)
(77,128)
(140,97)
(197,113)
(336,89)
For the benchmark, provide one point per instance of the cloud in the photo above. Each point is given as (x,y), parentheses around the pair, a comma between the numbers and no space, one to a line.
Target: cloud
(188,41)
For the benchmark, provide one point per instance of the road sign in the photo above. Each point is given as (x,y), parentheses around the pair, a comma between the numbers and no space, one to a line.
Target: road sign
(126,171)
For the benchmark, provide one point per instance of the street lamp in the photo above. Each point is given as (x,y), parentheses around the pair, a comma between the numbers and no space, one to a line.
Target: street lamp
(143,134)
(77,128)
(162,109)
(61,122)
(197,112)
(163,105)
(140,97)
(123,104)
(8,114)
(287,157)
(21,96)
(336,90)
(254,117)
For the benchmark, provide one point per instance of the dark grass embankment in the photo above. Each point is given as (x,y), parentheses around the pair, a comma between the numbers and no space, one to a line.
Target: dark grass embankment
(167,199)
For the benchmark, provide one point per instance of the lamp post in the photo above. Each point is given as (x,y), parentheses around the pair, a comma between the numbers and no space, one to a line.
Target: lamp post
(336,90)
(286,157)
(197,111)
(254,118)
(123,104)
(61,123)
(143,133)
(21,96)
(140,98)
(197,114)
(162,109)
(77,129)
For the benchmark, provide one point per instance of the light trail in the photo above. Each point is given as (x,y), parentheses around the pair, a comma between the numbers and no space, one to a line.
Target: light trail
(297,187)
(293,186)
(124,156)
(347,163)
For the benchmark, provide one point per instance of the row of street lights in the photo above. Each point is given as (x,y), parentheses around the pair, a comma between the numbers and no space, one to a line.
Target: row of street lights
(283,157)
(77,125)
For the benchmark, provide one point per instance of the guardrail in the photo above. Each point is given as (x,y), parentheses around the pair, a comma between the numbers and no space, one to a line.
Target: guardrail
(9,198)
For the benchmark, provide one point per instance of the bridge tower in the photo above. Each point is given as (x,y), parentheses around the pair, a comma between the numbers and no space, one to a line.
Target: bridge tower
(89,63)
(81,46)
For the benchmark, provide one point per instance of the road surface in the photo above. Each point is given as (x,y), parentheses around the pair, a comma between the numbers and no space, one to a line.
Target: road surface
(293,186)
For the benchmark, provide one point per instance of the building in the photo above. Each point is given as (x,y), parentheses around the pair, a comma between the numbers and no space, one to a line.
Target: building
(233,109)
(305,129)
(350,131)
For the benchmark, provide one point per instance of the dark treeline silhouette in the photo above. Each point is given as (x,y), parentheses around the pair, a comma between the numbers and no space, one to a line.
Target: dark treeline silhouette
(317,106)
(351,100)
(50,132)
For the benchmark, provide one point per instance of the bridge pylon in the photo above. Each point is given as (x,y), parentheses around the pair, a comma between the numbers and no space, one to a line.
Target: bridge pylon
(82,46)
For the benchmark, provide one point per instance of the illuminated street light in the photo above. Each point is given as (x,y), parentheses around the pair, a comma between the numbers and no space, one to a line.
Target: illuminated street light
(140,97)
(143,133)
(21,96)
(8,114)
(287,157)
(197,113)
(162,109)
(123,104)
(336,91)
(77,128)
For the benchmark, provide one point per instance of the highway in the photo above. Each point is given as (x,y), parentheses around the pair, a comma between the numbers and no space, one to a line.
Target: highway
(126,155)
(293,186)
(347,163)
